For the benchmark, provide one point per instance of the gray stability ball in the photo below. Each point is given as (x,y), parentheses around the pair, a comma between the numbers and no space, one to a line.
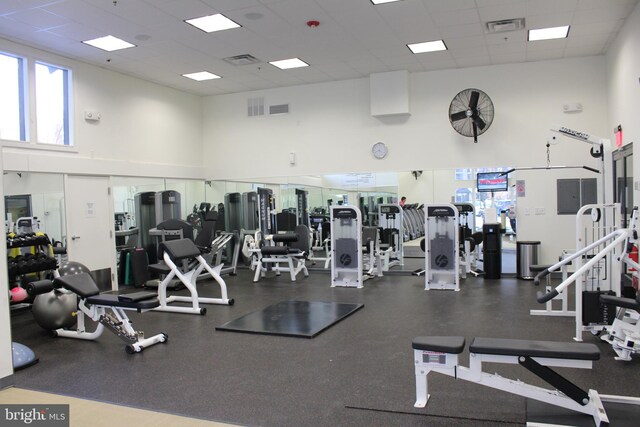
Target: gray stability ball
(55,310)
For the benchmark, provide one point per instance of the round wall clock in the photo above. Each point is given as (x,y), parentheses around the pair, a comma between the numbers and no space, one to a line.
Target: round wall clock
(379,150)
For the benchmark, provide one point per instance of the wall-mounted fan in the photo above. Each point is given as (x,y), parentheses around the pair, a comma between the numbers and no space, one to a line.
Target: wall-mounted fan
(471,113)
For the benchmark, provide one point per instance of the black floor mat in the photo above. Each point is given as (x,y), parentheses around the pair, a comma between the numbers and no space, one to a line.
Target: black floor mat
(304,319)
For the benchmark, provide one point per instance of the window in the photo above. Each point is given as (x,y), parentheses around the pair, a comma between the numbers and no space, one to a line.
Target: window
(12,106)
(52,104)
(464,174)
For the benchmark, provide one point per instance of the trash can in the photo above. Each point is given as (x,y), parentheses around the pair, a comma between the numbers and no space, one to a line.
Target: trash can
(492,251)
(526,256)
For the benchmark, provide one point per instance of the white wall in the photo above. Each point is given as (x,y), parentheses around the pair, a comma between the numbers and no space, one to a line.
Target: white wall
(146,129)
(331,130)
(6,356)
(623,67)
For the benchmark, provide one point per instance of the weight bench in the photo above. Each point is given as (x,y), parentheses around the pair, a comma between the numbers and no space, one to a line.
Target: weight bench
(292,252)
(94,305)
(174,253)
(440,354)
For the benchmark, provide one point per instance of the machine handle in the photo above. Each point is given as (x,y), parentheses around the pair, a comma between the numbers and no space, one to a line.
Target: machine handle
(74,237)
(542,274)
(542,298)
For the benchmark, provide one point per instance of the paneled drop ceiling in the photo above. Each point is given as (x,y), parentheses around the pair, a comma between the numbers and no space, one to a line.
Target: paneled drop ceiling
(354,38)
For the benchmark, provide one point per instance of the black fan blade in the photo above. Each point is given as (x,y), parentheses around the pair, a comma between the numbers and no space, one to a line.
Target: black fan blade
(475,132)
(458,116)
(478,121)
(473,101)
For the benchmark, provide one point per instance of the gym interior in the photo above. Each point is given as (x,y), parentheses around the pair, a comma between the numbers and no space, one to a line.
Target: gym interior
(304,246)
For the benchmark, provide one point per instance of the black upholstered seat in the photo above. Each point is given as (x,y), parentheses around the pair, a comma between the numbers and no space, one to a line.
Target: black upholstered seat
(549,349)
(448,344)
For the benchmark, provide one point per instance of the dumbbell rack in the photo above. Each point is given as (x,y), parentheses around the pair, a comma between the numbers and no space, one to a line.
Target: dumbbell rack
(38,260)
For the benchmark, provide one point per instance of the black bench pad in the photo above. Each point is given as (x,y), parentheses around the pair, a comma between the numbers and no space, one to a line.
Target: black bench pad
(161,268)
(181,249)
(620,301)
(81,284)
(279,250)
(452,345)
(548,349)
(285,238)
(111,300)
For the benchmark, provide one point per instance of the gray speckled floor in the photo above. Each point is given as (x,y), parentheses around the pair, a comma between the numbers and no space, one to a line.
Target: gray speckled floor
(357,373)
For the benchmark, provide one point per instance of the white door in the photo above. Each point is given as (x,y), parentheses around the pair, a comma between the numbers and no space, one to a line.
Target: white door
(90,225)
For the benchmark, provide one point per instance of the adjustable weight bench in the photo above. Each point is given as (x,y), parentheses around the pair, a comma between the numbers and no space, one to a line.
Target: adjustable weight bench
(94,305)
(440,354)
(175,252)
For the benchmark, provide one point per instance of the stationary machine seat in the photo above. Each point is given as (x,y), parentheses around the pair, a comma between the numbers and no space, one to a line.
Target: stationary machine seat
(451,344)
(547,349)
(181,249)
(145,301)
(81,284)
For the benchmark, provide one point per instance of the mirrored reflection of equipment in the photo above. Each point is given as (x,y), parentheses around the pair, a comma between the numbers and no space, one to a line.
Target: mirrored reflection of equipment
(346,244)
(390,217)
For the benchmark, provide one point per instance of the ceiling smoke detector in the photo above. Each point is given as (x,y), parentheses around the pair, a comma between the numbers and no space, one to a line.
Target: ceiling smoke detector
(505,25)
(245,59)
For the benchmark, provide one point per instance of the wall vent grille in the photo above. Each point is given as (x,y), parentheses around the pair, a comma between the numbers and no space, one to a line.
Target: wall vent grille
(278,109)
(255,107)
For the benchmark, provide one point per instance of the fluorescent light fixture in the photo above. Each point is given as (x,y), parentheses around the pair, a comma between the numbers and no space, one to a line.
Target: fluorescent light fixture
(212,23)
(549,33)
(109,43)
(433,46)
(201,75)
(382,1)
(285,64)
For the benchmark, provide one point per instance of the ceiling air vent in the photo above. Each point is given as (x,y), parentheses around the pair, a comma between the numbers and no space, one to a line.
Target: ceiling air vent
(278,109)
(255,107)
(245,59)
(505,25)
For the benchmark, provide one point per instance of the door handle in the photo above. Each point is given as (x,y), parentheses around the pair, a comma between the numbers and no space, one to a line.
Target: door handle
(74,237)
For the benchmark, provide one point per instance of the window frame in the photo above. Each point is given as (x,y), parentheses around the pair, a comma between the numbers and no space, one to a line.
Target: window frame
(30,58)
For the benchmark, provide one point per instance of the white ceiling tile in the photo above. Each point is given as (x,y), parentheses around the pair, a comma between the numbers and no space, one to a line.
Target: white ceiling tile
(448,5)
(226,5)
(542,45)
(508,57)
(511,37)
(502,12)
(507,48)
(466,30)
(493,3)
(473,61)
(548,20)
(541,55)
(592,16)
(458,17)
(11,6)
(595,28)
(543,7)
(38,18)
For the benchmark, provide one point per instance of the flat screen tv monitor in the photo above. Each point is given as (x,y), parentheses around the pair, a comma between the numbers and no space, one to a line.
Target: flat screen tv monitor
(492,182)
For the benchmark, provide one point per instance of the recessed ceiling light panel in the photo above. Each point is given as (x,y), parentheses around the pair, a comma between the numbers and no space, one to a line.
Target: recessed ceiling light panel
(109,43)
(549,33)
(211,23)
(201,75)
(382,1)
(285,64)
(432,46)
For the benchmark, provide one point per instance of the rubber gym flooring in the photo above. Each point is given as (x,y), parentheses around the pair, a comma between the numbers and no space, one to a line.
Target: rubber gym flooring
(359,372)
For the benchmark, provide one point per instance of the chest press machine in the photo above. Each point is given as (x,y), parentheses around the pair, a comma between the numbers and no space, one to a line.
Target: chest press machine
(108,310)
(440,354)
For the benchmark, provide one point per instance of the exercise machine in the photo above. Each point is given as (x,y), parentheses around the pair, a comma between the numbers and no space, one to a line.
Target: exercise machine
(280,253)
(346,244)
(192,265)
(590,314)
(624,333)
(440,354)
(442,263)
(109,310)
(390,220)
